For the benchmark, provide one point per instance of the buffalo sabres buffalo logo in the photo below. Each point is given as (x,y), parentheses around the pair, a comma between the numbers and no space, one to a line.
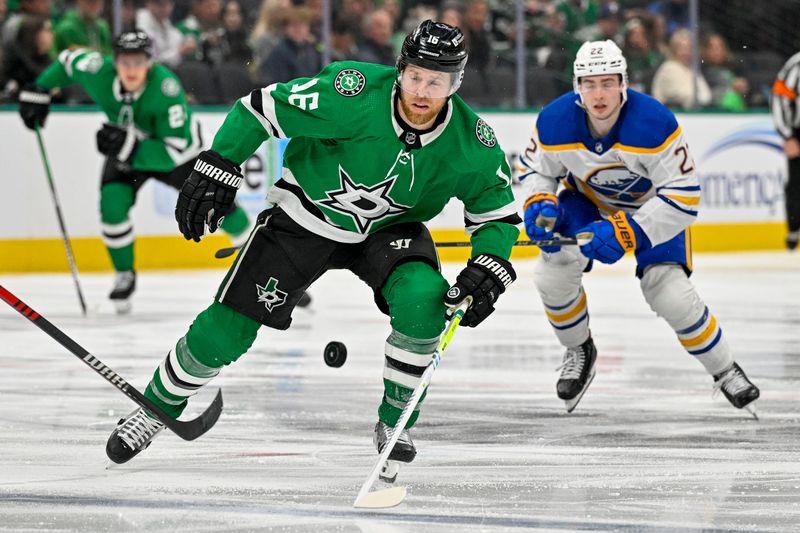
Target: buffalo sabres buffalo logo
(363,204)
(618,183)
(269,294)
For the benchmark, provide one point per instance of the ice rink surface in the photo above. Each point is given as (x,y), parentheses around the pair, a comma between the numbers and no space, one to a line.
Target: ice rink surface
(648,449)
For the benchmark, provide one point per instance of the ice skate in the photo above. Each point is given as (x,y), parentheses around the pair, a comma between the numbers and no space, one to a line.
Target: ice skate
(739,390)
(577,373)
(124,286)
(132,435)
(404,451)
(791,239)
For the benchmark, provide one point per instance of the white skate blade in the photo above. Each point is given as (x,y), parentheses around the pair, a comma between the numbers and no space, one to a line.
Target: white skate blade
(573,403)
(389,471)
(751,408)
(381,499)
(123,307)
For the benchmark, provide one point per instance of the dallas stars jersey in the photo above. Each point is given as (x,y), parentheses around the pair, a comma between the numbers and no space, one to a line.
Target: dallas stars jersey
(168,136)
(351,169)
(643,166)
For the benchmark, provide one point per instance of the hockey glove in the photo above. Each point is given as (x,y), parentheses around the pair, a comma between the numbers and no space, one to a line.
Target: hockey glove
(484,278)
(34,105)
(207,194)
(542,213)
(116,142)
(613,237)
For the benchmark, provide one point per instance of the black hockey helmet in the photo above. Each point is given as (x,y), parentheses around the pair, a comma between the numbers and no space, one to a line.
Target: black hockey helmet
(131,42)
(434,46)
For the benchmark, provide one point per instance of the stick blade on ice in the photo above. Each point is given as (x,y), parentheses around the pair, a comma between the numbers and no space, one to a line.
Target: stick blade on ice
(381,499)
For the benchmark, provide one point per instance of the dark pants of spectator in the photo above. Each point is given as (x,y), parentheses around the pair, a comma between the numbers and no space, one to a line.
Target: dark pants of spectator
(793,195)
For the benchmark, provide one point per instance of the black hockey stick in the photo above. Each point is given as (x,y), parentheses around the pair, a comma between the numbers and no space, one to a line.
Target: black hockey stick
(67,245)
(222,253)
(188,430)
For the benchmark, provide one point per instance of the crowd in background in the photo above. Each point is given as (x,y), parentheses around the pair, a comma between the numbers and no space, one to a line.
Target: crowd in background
(223,48)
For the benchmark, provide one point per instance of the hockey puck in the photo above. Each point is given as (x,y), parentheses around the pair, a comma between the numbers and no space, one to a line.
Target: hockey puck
(335,354)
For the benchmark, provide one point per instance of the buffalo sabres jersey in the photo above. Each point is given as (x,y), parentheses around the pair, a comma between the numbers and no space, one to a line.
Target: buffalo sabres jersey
(643,166)
(353,167)
(159,114)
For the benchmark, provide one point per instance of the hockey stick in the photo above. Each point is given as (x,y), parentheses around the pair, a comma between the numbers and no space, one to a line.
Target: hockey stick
(60,217)
(222,253)
(381,499)
(188,430)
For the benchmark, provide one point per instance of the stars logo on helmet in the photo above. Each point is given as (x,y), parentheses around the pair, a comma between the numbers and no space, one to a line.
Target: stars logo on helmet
(365,205)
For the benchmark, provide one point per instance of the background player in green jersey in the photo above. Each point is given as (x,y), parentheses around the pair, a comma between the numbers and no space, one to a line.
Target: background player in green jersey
(375,151)
(151,133)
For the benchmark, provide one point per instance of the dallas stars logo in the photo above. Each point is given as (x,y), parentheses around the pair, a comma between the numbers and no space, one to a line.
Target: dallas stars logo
(349,82)
(270,295)
(363,204)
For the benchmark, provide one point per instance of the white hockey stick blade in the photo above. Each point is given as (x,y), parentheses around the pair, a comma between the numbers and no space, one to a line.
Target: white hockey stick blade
(381,499)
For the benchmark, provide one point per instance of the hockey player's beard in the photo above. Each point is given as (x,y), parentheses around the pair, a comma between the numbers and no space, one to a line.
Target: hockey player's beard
(417,118)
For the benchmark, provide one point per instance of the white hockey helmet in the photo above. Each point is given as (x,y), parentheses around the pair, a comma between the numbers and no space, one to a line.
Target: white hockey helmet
(596,58)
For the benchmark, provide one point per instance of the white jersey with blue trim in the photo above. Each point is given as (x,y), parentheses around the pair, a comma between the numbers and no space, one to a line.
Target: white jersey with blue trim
(643,166)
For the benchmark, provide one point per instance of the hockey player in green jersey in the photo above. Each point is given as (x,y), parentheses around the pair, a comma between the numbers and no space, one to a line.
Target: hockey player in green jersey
(151,133)
(375,151)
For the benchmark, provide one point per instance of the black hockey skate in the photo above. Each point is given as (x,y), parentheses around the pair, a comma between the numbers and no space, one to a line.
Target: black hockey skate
(737,388)
(577,373)
(132,435)
(124,285)
(791,239)
(404,451)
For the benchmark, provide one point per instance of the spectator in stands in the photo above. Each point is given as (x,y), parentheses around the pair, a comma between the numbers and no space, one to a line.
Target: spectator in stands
(578,14)
(609,22)
(343,41)
(267,31)
(26,58)
(477,35)
(128,15)
(355,11)
(204,25)
(451,14)
(234,39)
(728,90)
(643,60)
(675,13)
(673,83)
(169,44)
(41,8)
(83,27)
(377,29)
(295,55)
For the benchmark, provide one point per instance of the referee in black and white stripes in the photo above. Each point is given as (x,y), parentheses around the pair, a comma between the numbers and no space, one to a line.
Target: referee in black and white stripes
(786,115)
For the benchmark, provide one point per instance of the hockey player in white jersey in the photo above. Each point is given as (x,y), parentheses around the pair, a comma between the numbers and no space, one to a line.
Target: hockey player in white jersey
(627,178)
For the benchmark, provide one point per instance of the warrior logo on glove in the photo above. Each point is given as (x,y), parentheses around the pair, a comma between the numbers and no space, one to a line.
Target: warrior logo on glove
(484,278)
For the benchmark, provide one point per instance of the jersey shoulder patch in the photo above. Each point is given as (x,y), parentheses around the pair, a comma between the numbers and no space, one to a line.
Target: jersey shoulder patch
(170,87)
(485,133)
(349,82)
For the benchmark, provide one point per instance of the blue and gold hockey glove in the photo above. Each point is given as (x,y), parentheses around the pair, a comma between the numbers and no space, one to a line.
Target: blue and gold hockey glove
(542,213)
(613,237)
(207,195)
(484,278)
